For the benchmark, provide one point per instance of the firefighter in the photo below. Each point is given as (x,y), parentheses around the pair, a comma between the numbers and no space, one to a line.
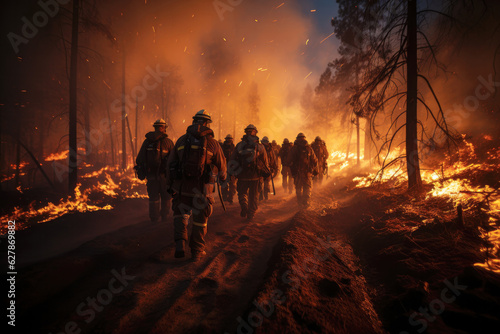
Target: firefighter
(286,174)
(321,152)
(276,149)
(229,188)
(265,182)
(152,158)
(303,165)
(248,163)
(196,161)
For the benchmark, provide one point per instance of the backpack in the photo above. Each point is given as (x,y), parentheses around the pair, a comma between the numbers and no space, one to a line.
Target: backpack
(247,156)
(194,157)
(153,156)
(303,158)
(285,150)
(270,156)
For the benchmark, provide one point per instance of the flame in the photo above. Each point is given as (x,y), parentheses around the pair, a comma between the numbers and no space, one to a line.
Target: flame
(57,156)
(451,183)
(52,211)
(110,185)
(22,164)
(62,155)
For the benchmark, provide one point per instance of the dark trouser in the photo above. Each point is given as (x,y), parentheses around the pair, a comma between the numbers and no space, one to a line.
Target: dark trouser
(229,189)
(200,207)
(158,197)
(248,193)
(318,179)
(287,178)
(303,185)
(267,186)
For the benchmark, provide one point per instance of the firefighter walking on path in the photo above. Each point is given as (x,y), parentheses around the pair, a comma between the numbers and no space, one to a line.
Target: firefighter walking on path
(265,182)
(248,163)
(276,150)
(321,152)
(286,173)
(152,159)
(229,187)
(303,165)
(194,165)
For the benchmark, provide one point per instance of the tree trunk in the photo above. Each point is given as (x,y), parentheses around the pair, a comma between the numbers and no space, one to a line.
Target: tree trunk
(131,139)
(124,115)
(368,142)
(348,142)
(86,116)
(357,143)
(73,171)
(162,98)
(111,142)
(413,167)
(2,153)
(136,121)
(18,159)
(234,124)
(220,121)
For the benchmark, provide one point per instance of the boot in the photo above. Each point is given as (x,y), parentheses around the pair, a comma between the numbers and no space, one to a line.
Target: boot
(243,212)
(179,248)
(165,210)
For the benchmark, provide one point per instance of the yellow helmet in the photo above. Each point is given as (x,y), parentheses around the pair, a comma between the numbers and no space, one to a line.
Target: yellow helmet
(204,115)
(160,122)
(251,127)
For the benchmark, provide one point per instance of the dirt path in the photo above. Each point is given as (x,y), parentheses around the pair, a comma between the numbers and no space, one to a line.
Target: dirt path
(124,279)
(232,271)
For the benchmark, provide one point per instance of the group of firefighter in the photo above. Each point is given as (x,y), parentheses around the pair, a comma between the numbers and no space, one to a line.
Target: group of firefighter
(185,174)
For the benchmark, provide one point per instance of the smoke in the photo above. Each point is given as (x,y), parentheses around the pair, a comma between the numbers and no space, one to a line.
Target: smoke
(221,54)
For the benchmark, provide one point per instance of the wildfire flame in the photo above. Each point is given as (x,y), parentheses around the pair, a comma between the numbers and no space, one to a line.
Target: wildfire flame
(452,183)
(117,185)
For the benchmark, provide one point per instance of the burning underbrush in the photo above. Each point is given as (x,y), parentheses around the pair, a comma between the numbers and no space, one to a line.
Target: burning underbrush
(412,247)
(97,190)
(463,187)
(411,250)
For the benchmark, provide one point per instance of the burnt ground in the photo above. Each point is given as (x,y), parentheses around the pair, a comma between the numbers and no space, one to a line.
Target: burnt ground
(357,261)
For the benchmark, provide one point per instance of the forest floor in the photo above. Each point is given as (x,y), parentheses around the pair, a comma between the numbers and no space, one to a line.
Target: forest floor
(364,260)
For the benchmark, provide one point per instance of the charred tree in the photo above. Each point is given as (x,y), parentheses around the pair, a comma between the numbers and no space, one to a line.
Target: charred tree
(111,141)
(412,162)
(124,115)
(73,171)
(18,157)
(136,122)
(368,147)
(86,118)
